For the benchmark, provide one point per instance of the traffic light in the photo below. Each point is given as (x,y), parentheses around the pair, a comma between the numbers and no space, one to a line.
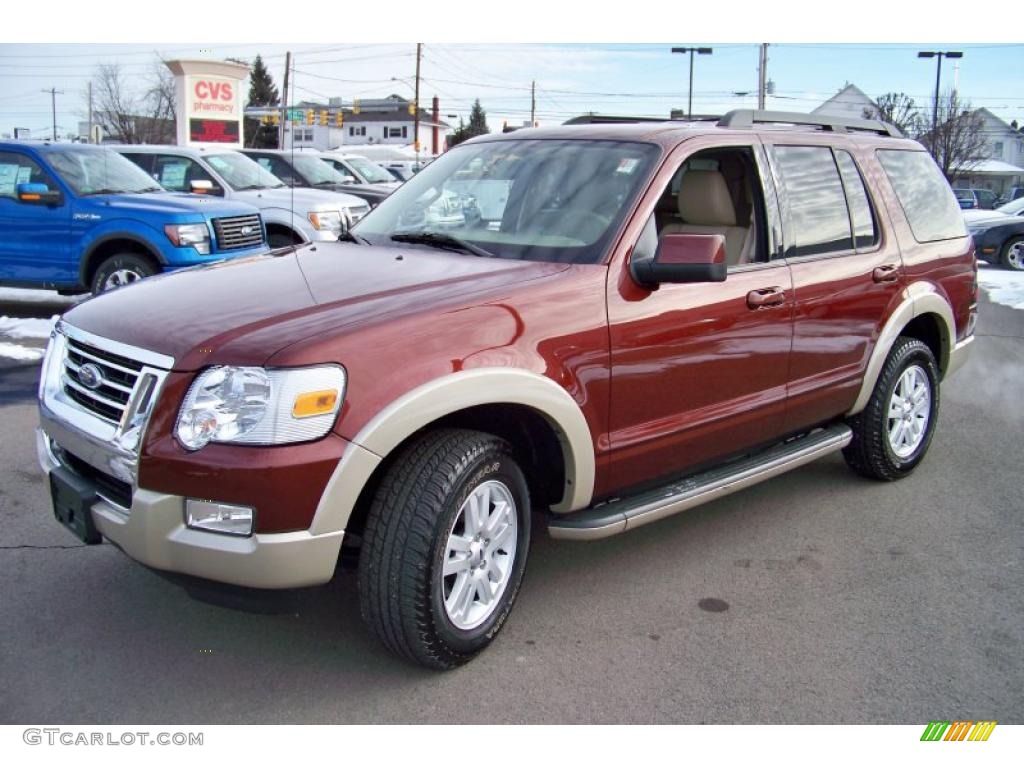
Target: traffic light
(275,119)
(355,106)
(412,108)
(309,117)
(323,117)
(339,118)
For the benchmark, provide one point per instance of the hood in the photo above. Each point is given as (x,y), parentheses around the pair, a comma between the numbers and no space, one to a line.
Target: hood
(974,215)
(305,199)
(242,311)
(169,202)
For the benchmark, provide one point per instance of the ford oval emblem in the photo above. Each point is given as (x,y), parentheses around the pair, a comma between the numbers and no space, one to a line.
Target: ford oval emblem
(246,230)
(90,376)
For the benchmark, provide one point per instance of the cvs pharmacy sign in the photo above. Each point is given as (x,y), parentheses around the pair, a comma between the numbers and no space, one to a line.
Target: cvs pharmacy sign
(210,96)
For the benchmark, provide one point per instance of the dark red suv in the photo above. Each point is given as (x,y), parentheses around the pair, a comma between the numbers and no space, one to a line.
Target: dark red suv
(591,326)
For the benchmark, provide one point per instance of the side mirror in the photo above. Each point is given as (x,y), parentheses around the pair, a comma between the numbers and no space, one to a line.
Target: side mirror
(683,258)
(201,186)
(39,194)
(346,179)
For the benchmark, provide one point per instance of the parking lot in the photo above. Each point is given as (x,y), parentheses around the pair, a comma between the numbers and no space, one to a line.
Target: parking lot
(817,597)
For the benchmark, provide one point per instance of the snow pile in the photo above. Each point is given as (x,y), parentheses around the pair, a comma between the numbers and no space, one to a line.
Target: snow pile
(1003,286)
(26,327)
(33,296)
(18,352)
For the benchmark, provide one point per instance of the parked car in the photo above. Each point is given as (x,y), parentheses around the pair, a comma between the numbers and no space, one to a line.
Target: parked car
(292,216)
(1014,193)
(984,199)
(998,237)
(641,329)
(307,169)
(79,218)
(1012,208)
(361,170)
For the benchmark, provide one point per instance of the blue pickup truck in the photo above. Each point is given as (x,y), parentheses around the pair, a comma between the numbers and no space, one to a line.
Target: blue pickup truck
(77,218)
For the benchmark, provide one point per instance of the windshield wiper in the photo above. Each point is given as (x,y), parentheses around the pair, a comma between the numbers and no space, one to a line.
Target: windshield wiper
(325,183)
(104,191)
(351,237)
(441,240)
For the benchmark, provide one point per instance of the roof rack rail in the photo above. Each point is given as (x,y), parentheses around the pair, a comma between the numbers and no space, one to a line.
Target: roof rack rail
(599,119)
(747,118)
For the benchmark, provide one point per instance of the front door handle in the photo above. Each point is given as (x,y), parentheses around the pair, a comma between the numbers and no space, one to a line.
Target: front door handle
(766,297)
(887,273)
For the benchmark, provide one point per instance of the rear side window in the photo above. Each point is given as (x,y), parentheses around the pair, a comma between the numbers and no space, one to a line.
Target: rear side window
(926,199)
(818,221)
(861,218)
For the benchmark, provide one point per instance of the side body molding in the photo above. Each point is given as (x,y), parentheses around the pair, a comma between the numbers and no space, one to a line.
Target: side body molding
(918,299)
(448,394)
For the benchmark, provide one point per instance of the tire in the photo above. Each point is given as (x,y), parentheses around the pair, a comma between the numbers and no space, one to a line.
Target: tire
(422,507)
(121,269)
(881,449)
(1012,254)
(281,240)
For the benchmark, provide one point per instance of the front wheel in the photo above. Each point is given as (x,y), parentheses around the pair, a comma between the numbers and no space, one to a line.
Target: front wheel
(120,270)
(445,547)
(892,434)
(1012,255)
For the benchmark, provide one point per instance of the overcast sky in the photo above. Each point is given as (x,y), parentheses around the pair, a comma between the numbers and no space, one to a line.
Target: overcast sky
(636,79)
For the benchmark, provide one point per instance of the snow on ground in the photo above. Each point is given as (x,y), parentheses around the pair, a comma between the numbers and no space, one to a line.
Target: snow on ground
(26,327)
(1002,285)
(33,296)
(18,352)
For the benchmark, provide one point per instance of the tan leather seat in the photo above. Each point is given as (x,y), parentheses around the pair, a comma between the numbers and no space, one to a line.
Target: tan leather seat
(706,206)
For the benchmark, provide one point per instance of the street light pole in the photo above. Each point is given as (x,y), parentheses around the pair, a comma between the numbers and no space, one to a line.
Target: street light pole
(691,51)
(938,56)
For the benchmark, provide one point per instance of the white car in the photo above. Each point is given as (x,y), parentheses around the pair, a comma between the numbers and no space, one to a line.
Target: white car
(292,216)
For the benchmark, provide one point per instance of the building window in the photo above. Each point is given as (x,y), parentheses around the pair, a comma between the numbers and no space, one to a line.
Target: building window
(998,148)
(395,133)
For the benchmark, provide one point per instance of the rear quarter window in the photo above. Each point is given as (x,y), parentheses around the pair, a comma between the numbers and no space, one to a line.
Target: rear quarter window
(929,204)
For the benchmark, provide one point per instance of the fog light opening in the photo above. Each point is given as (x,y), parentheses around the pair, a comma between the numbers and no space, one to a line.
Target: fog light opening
(215,517)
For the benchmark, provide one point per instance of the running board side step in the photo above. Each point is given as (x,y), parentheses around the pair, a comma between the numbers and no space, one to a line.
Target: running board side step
(623,515)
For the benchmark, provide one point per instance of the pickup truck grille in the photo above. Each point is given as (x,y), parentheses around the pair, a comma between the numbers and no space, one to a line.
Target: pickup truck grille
(238,232)
(105,396)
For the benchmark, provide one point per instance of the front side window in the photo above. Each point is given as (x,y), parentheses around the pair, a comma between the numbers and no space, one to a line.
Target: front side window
(369,171)
(924,194)
(15,169)
(537,200)
(818,220)
(100,172)
(315,171)
(177,173)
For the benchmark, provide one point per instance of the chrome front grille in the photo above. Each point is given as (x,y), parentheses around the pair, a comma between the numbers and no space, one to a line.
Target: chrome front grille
(238,232)
(105,387)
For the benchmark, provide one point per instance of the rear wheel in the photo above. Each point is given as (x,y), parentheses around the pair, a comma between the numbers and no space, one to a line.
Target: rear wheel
(1012,255)
(120,270)
(445,547)
(892,434)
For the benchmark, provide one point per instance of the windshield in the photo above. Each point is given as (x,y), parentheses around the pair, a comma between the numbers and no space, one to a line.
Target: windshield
(537,200)
(100,172)
(241,172)
(316,171)
(1013,208)
(370,171)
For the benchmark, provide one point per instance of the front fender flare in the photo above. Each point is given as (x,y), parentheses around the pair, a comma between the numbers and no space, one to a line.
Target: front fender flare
(449,394)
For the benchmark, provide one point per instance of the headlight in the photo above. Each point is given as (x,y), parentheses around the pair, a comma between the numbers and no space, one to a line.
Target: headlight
(184,235)
(258,406)
(325,220)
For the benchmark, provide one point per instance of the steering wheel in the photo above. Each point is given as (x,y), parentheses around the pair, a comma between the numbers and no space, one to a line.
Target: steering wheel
(578,223)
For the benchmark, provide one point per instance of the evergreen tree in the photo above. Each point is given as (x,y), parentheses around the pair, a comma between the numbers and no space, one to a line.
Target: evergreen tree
(262,91)
(477,126)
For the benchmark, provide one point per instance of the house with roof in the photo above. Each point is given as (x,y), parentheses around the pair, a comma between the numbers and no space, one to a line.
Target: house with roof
(850,102)
(1003,166)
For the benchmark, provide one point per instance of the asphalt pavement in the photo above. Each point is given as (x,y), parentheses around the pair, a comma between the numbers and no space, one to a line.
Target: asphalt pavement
(817,597)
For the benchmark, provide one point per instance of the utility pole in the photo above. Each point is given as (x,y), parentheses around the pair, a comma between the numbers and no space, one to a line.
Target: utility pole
(53,102)
(762,76)
(416,103)
(938,56)
(90,111)
(533,103)
(284,100)
(691,51)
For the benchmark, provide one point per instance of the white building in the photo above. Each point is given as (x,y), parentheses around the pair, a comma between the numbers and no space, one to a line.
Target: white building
(850,102)
(1004,164)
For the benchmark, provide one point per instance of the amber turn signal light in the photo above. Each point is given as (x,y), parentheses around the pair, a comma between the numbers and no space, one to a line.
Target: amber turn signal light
(315,403)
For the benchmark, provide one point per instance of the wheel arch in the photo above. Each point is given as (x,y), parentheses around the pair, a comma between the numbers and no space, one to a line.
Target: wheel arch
(924,314)
(108,245)
(487,399)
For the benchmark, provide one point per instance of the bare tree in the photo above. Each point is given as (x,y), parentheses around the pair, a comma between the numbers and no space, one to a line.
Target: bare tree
(143,116)
(959,141)
(897,109)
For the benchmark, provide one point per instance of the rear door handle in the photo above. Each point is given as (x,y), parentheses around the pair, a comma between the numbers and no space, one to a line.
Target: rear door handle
(887,273)
(766,297)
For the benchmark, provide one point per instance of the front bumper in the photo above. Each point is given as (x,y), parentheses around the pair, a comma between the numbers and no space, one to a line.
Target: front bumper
(153,532)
